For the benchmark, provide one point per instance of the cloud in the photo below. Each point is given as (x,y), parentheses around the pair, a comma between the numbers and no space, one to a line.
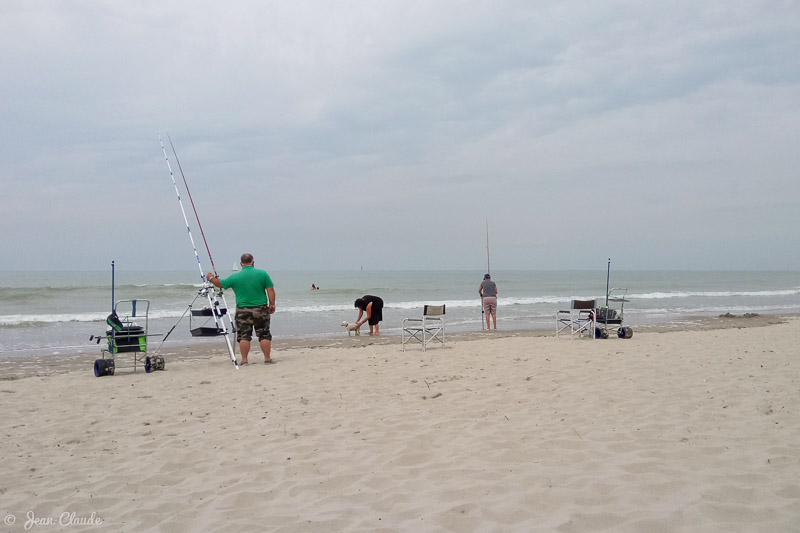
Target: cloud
(330,134)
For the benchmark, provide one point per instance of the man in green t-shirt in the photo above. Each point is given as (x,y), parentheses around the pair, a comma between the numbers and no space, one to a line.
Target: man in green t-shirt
(252,287)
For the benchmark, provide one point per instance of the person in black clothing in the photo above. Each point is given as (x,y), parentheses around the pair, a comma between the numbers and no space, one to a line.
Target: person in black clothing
(373,307)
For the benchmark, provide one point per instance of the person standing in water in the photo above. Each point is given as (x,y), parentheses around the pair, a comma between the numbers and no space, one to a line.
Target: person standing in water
(488,292)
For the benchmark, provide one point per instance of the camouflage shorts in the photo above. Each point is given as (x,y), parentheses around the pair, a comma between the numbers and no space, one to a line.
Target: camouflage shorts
(249,318)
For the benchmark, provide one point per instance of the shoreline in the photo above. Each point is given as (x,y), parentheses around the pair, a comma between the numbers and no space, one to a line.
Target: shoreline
(48,320)
(24,366)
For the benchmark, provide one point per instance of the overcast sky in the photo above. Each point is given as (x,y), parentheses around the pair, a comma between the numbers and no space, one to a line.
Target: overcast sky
(385,134)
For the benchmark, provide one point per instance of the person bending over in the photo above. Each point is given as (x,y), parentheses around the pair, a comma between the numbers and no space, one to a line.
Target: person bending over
(373,307)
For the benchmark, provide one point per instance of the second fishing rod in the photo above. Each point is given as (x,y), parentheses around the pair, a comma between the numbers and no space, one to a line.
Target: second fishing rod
(211,293)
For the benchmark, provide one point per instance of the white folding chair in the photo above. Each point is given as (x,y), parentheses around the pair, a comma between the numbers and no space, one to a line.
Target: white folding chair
(580,319)
(425,330)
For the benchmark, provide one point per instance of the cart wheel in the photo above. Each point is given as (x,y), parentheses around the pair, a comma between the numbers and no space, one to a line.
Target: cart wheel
(160,363)
(148,365)
(103,367)
(600,333)
(625,333)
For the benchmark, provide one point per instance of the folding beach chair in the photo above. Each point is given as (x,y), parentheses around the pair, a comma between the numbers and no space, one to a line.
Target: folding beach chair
(425,330)
(580,319)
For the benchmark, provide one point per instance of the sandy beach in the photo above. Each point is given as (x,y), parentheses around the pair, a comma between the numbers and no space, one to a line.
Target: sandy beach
(670,431)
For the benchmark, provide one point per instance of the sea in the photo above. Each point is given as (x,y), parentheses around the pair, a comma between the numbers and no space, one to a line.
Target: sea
(54,313)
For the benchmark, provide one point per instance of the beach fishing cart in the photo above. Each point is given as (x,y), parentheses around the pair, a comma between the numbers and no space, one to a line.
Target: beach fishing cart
(126,340)
(611,315)
(586,318)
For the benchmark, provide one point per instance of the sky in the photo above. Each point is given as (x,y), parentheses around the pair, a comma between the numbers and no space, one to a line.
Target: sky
(385,134)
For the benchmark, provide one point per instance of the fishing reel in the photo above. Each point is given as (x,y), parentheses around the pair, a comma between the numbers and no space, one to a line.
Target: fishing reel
(209,288)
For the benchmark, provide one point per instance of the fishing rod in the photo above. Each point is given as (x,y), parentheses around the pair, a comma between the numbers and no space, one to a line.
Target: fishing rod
(211,295)
(191,200)
(113,308)
(199,225)
(197,217)
(488,267)
(488,271)
(183,211)
(163,340)
(113,303)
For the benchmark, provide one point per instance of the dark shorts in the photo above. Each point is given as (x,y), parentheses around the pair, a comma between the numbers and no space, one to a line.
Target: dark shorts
(377,312)
(250,318)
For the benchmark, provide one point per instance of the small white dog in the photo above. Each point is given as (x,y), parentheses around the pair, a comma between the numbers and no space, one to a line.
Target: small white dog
(351,328)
